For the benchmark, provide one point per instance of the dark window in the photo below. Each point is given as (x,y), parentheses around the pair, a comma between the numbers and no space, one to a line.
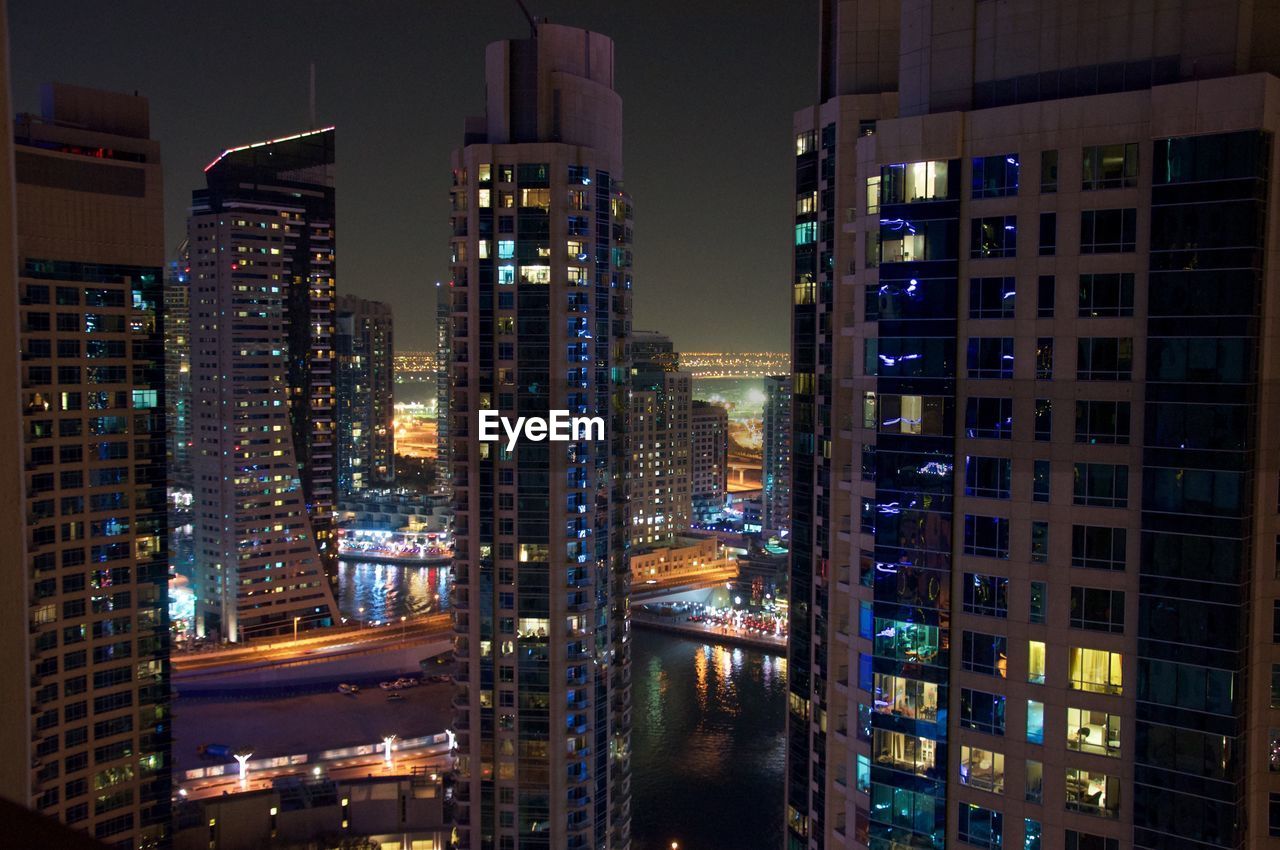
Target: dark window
(991,297)
(988,477)
(982,711)
(1045,297)
(981,827)
(986,536)
(1102,422)
(1110,166)
(1106,294)
(989,418)
(1098,547)
(1108,231)
(1039,541)
(1043,420)
(995,236)
(1104,359)
(1039,601)
(1048,234)
(1040,480)
(990,357)
(1048,172)
(1087,841)
(986,595)
(995,176)
(1102,485)
(1097,609)
(1044,358)
(983,653)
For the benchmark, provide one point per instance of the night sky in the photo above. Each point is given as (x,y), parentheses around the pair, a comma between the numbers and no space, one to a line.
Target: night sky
(708,88)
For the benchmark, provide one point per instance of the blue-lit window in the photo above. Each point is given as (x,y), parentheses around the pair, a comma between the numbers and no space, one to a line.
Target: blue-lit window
(864,774)
(989,418)
(506,249)
(988,477)
(995,236)
(986,595)
(1035,722)
(507,274)
(865,675)
(806,232)
(981,827)
(995,176)
(990,357)
(866,620)
(991,297)
(982,711)
(143,399)
(986,536)
(905,641)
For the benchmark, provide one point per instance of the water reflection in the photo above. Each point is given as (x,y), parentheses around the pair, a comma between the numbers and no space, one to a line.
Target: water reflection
(390,591)
(708,745)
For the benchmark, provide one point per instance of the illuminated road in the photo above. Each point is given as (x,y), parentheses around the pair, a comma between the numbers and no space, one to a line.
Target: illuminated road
(314,646)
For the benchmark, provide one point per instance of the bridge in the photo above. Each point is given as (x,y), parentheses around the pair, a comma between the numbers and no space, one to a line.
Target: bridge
(687,587)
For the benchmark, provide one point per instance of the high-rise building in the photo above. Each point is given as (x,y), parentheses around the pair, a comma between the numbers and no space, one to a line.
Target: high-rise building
(661,403)
(708,460)
(776,463)
(261,290)
(541,296)
(90,285)
(177,369)
(291,179)
(444,354)
(366,395)
(1032,367)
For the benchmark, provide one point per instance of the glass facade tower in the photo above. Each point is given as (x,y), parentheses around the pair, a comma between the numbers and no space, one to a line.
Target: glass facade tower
(540,301)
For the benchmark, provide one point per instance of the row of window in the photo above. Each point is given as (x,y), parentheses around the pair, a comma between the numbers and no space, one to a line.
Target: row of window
(1092,608)
(1100,295)
(1092,670)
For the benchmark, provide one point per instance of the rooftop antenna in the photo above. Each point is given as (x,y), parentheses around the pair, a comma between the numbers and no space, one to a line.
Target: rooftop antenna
(533,23)
(311,101)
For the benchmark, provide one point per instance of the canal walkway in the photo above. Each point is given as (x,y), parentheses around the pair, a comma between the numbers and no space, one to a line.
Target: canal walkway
(709,632)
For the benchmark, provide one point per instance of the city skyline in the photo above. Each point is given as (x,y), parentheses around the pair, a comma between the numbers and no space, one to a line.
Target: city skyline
(743,69)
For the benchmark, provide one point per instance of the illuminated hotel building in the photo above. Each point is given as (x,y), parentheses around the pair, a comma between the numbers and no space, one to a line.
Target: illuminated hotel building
(661,403)
(90,262)
(1034,511)
(262,371)
(366,395)
(541,295)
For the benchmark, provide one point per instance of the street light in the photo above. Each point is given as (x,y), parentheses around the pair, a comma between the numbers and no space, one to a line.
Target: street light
(387,741)
(361,609)
(242,756)
(295,629)
(403,627)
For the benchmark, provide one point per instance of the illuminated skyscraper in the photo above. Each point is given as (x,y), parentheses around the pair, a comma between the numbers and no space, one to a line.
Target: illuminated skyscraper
(661,404)
(1034,485)
(262,313)
(541,296)
(444,355)
(708,459)
(90,286)
(366,395)
(777,454)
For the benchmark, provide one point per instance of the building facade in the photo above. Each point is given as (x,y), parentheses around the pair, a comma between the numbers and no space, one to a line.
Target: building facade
(540,302)
(708,460)
(366,394)
(1032,510)
(444,355)
(661,403)
(776,498)
(92,400)
(261,261)
(292,179)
